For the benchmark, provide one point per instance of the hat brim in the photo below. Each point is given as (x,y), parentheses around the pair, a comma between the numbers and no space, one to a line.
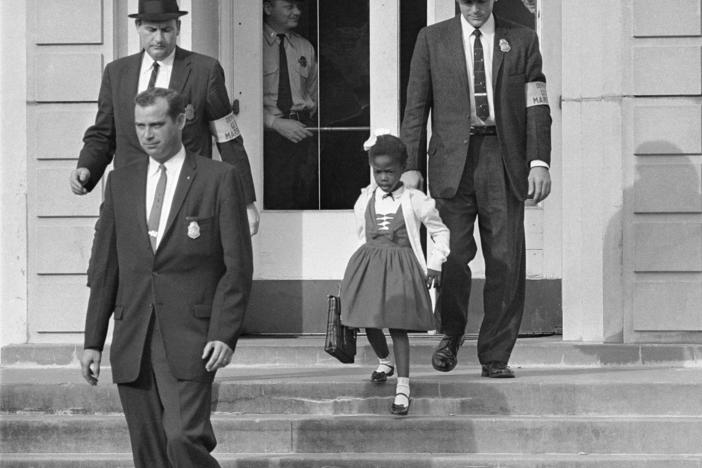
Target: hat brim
(158,16)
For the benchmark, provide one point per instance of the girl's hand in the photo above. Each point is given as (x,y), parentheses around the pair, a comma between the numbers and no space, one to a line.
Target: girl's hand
(433,278)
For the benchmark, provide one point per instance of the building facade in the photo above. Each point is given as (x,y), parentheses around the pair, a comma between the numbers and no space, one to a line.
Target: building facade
(613,255)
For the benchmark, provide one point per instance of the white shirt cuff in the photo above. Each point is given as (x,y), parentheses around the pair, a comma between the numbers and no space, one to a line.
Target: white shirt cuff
(539,163)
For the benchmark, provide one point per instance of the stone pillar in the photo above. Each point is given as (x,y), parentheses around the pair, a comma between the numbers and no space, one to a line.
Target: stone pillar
(593,139)
(13,173)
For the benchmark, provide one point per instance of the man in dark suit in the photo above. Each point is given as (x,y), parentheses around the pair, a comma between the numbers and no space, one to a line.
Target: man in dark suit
(199,78)
(172,262)
(481,78)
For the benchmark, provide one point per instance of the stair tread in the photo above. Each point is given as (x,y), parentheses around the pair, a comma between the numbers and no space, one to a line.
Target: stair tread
(419,375)
(341,418)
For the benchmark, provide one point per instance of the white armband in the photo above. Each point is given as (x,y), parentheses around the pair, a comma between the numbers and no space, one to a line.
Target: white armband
(224,129)
(536,94)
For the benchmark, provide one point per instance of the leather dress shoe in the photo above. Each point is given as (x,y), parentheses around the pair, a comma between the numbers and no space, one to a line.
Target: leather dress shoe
(497,370)
(445,357)
(380,377)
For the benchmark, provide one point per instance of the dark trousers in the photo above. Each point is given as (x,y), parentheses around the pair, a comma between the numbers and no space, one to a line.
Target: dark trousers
(484,194)
(168,419)
(289,173)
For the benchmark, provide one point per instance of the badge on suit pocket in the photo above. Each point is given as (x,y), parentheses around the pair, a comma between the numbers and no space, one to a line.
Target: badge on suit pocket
(504,46)
(193,230)
(189,112)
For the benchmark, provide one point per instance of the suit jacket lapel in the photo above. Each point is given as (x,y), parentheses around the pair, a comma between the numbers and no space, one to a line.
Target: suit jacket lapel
(181,70)
(187,175)
(501,33)
(138,199)
(453,43)
(129,86)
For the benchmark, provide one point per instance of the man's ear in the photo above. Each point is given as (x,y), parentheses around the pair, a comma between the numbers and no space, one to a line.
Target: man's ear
(180,121)
(177,27)
(267,6)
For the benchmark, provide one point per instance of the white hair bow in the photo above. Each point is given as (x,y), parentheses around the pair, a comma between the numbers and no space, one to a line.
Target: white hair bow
(370,142)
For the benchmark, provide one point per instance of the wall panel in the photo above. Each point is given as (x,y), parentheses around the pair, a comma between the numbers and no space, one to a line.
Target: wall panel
(667,70)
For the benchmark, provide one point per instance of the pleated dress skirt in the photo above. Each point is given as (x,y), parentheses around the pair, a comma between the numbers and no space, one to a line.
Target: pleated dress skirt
(384,285)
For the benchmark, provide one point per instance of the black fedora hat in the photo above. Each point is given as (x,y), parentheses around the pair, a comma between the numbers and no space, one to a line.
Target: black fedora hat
(158,10)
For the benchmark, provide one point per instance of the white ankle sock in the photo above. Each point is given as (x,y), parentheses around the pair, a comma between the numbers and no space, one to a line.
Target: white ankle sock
(402,387)
(384,365)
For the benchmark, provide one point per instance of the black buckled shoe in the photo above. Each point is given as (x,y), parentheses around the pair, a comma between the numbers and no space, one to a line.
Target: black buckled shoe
(380,377)
(497,370)
(401,410)
(445,357)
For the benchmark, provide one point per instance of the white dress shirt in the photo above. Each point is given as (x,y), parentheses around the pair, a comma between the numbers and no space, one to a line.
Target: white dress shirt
(487,40)
(173,167)
(163,79)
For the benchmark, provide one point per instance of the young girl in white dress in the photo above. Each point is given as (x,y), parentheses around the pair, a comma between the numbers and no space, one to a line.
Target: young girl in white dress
(387,280)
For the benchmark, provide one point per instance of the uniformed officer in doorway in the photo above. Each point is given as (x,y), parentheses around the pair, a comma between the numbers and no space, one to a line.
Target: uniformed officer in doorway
(290,103)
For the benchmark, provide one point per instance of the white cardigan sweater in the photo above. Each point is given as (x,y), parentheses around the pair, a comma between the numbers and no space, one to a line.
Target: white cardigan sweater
(417,207)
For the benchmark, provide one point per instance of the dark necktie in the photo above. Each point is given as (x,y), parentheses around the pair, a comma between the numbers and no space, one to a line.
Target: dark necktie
(284,94)
(157,206)
(482,109)
(154,74)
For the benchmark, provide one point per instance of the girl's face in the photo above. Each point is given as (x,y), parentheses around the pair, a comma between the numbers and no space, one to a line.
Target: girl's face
(386,171)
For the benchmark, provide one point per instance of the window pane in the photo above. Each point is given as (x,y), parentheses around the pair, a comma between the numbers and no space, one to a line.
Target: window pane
(344,97)
(326,55)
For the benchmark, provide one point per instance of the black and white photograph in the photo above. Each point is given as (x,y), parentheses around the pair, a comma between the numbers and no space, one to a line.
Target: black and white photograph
(351,234)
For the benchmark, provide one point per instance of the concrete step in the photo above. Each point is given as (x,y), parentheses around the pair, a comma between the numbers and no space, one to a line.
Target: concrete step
(347,391)
(308,351)
(381,434)
(371,460)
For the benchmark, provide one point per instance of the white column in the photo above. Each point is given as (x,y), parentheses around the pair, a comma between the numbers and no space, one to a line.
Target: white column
(13,172)
(384,29)
(439,10)
(593,74)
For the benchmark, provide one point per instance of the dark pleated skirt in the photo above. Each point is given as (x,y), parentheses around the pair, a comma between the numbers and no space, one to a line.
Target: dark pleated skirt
(384,287)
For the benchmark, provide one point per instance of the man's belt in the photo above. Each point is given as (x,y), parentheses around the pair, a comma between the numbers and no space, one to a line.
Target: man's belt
(483,130)
(301,115)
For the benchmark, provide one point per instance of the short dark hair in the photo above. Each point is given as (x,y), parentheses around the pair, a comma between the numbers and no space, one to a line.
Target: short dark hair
(388,145)
(176,102)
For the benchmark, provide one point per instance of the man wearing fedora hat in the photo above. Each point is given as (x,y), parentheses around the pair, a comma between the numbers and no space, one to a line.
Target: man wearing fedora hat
(199,78)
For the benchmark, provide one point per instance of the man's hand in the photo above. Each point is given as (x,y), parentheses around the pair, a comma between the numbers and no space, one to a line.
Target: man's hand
(90,365)
(539,183)
(220,355)
(77,179)
(254,218)
(433,278)
(291,129)
(412,179)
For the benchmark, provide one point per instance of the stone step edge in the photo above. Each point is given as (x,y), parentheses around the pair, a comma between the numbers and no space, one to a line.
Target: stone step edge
(295,418)
(119,456)
(307,351)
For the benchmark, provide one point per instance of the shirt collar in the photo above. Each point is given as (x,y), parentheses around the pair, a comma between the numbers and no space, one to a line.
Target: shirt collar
(172,165)
(147,62)
(487,29)
(270,35)
(394,195)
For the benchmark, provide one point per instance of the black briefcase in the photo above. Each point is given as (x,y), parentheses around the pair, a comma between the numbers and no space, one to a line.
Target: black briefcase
(341,340)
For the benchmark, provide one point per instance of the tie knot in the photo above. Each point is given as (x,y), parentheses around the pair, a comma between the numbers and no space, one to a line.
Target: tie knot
(281,36)
(155,65)
(162,168)
(477,33)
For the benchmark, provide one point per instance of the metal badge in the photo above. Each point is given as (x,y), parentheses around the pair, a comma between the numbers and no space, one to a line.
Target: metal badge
(193,230)
(504,46)
(302,61)
(189,112)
